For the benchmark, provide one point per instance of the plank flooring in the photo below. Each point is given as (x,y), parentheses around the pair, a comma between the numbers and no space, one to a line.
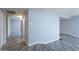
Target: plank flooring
(65,43)
(14,44)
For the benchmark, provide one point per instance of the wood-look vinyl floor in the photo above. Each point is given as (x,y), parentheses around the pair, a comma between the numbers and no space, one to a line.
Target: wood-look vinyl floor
(14,44)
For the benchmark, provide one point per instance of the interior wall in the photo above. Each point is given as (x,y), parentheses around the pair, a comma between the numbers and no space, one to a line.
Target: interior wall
(64,25)
(1,28)
(16,26)
(4,27)
(26,26)
(43,26)
(70,26)
(23,26)
(9,27)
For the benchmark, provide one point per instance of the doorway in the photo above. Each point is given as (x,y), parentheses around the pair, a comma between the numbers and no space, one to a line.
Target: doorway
(14,26)
(15,33)
(16,29)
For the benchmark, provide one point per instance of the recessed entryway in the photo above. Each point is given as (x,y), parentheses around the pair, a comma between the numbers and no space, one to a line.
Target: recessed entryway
(16,27)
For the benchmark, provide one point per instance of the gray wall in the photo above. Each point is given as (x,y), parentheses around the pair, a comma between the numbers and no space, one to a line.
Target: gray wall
(9,26)
(70,26)
(64,25)
(43,26)
(14,26)
(1,28)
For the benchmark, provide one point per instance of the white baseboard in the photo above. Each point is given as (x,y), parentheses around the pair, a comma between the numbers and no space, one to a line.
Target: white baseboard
(30,44)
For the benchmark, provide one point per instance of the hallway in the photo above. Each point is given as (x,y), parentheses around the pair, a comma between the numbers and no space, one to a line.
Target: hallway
(13,32)
(14,44)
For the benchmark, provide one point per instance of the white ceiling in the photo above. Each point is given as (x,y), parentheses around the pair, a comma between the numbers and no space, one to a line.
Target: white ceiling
(66,11)
(17,10)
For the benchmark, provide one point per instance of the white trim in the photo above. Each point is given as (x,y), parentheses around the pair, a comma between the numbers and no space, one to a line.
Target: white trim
(41,42)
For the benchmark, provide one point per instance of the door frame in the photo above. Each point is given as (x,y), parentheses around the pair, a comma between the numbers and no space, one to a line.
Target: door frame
(7,25)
